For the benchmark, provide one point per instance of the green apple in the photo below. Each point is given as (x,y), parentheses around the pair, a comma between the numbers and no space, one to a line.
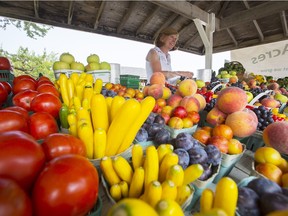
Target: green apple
(219,76)
(93,58)
(249,96)
(200,83)
(92,66)
(77,66)
(224,72)
(225,76)
(280,97)
(233,73)
(105,66)
(60,65)
(67,57)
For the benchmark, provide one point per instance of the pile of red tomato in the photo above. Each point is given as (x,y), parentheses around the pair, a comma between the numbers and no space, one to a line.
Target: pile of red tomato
(52,178)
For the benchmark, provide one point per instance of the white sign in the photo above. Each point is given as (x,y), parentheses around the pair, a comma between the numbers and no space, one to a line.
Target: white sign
(269,59)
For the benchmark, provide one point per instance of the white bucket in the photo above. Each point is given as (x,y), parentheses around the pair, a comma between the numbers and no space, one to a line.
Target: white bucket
(203,74)
(115,73)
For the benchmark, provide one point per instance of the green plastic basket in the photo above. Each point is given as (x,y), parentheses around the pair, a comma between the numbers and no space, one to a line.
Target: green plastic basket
(6,75)
(130,81)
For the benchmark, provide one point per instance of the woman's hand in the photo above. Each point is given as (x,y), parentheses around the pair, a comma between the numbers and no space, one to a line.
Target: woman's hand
(187,74)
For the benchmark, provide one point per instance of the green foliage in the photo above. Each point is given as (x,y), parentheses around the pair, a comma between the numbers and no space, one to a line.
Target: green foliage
(33,30)
(27,62)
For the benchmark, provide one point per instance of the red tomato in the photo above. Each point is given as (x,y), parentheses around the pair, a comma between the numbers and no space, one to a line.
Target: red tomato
(41,124)
(42,78)
(68,185)
(13,199)
(45,102)
(58,144)
(20,110)
(48,88)
(21,158)
(12,120)
(41,82)
(3,94)
(4,63)
(23,99)
(24,76)
(23,84)
(7,86)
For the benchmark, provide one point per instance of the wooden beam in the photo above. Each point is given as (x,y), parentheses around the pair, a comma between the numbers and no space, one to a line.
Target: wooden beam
(223,8)
(166,24)
(99,13)
(131,9)
(185,28)
(71,11)
(189,41)
(36,8)
(259,31)
(232,36)
(284,23)
(186,9)
(148,19)
(258,12)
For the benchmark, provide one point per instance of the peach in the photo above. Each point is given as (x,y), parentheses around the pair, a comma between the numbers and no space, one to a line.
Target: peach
(156,91)
(202,136)
(222,130)
(174,100)
(243,123)
(166,93)
(231,99)
(276,136)
(234,146)
(190,104)
(270,171)
(220,142)
(215,116)
(187,87)
(175,123)
(145,90)
(273,86)
(157,78)
(233,79)
(270,102)
(201,100)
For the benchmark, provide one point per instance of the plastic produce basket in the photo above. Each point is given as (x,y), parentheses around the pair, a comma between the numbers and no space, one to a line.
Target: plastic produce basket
(130,81)
(6,75)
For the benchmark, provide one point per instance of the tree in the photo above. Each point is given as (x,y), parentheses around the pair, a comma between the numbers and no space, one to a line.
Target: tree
(26,62)
(33,30)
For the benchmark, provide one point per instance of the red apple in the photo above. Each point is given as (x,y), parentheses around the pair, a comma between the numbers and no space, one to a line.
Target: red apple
(194,116)
(180,112)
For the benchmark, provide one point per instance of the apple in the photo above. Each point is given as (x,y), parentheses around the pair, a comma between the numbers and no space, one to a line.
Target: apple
(225,76)
(92,66)
(200,83)
(233,73)
(67,57)
(77,66)
(93,58)
(105,66)
(223,72)
(249,96)
(180,112)
(61,65)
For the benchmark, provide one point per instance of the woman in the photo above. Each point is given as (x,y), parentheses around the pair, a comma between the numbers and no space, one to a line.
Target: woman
(158,58)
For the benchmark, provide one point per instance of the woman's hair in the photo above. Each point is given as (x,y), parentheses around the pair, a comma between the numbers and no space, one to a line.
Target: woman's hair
(165,32)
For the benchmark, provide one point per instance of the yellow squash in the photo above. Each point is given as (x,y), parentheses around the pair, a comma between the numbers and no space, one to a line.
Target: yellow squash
(85,133)
(122,168)
(206,200)
(151,166)
(137,183)
(121,124)
(99,112)
(169,160)
(108,171)
(100,139)
(192,172)
(137,156)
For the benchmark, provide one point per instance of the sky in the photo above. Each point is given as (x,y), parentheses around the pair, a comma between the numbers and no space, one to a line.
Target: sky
(111,49)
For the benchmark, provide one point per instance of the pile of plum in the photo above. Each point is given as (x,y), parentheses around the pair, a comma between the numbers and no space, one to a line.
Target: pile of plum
(261,196)
(190,151)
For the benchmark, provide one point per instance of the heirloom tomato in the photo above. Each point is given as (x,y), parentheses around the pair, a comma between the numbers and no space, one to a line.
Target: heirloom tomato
(58,144)
(23,99)
(4,63)
(3,94)
(12,120)
(7,86)
(46,102)
(21,158)
(13,199)
(41,124)
(68,185)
